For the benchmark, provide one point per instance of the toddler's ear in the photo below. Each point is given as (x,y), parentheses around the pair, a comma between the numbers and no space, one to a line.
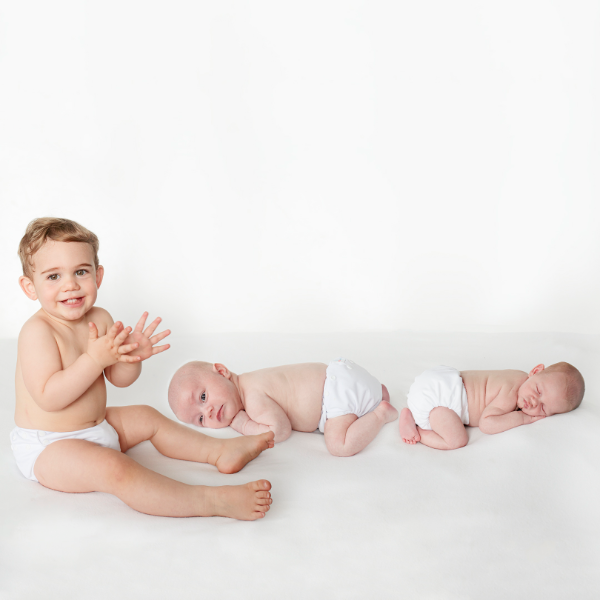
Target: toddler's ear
(99,275)
(28,287)
(222,370)
(536,369)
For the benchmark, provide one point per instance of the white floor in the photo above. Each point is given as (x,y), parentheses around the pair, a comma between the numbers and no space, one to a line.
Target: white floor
(516,515)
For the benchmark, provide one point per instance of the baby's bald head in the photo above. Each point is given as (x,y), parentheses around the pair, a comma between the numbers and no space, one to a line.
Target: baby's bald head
(185,378)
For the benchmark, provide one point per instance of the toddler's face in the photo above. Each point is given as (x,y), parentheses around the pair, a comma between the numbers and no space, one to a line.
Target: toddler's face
(543,394)
(208,399)
(65,280)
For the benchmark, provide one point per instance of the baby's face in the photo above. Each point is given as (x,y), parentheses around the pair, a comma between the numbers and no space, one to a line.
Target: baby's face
(543,394)
(64,279)
(208,399)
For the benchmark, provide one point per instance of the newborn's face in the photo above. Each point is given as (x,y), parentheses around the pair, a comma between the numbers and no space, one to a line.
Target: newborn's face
(543,394)
(209,400)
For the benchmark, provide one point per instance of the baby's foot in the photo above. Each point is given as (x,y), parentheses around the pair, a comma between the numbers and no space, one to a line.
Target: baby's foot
(408,428)
(386,412)
(237,452)
(246,502)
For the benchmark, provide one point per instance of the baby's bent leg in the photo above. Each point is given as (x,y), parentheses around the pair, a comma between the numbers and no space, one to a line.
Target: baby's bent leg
(81,466)
(135,424)
(408,428)
(447,430)
(348,434)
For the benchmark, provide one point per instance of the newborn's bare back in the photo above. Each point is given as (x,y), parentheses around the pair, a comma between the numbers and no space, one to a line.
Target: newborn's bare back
(484,386)
(297,389)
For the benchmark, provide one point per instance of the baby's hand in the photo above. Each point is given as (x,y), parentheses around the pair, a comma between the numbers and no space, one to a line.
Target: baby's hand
(527,419)
(109,349)
(144,343)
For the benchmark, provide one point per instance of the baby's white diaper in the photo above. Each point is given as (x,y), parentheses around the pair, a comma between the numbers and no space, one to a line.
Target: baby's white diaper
(349,389)
(28,444)
(440,386)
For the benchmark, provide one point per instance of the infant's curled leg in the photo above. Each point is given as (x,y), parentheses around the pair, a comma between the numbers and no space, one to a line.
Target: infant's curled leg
(136,424)
(347,435)
(447,430)
(81,466)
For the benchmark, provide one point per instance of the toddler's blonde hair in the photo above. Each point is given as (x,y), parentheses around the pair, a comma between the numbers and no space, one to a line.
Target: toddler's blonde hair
(59,230)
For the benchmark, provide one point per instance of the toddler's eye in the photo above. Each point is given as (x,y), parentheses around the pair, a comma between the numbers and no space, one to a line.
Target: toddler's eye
(81,272)
(53,277)
(203,396)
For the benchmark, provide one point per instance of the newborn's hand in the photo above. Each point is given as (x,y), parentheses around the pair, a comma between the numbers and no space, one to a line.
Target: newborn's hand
(109,349)
(531,419)
(238,422)
(144,339)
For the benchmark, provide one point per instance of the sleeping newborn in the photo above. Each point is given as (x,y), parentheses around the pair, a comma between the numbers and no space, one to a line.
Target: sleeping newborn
(341,399)
(442,400)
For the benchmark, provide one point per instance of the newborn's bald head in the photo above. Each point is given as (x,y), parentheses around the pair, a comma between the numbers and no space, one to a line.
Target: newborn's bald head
(186,377)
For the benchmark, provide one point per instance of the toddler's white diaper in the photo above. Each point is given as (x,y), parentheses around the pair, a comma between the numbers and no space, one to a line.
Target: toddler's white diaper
(440,386)
(349,389)
(28,444)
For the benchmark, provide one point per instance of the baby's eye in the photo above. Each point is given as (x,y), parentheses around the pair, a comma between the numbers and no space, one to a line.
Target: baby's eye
(201,419)
(203,396)
(81,272)
(53,277)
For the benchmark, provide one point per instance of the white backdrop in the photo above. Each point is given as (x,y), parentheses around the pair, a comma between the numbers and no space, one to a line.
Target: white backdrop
(311,166)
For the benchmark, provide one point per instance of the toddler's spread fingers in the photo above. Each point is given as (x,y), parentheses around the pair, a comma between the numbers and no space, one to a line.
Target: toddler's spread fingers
(152,327)
(159,336)
(93,331)
(119,339)
(160,349)
(129,359)
(128,348)
(112,332)
(141,322)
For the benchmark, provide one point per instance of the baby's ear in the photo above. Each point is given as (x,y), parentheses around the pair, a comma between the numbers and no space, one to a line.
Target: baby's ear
(536,369)
(222,370)
(28,287)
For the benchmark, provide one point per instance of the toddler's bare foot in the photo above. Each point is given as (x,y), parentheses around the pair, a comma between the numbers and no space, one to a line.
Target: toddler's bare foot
(408,428)
(246,502)
(386,412)
(237,452)
(386,394)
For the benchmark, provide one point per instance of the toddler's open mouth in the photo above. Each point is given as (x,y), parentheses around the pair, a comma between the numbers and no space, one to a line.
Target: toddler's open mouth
(72,301)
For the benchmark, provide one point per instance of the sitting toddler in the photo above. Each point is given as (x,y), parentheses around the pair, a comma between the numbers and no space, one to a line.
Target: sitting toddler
(442,400)
(341,399)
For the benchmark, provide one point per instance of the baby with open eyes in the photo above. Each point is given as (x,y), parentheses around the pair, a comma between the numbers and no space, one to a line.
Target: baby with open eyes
(442,401)
(341,399)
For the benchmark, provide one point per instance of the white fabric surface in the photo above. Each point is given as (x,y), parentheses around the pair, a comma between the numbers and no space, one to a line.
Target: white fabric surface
(513,515)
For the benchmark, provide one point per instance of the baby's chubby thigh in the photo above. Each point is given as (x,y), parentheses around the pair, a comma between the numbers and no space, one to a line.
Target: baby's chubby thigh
(80,466)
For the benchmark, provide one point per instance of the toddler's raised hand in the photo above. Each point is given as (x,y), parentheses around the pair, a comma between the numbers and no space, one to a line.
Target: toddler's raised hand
(109,349)
(145,340)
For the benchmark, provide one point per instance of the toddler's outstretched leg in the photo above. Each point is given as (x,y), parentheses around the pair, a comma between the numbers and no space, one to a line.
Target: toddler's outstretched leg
(408,427)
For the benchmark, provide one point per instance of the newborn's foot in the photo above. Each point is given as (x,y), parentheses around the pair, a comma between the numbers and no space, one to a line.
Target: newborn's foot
(408,428)
(246,502)
(386,412)
(237,452)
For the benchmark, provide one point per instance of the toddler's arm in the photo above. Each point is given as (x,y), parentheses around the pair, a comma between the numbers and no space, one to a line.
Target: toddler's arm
(268,416)
(501,414)
(53,387)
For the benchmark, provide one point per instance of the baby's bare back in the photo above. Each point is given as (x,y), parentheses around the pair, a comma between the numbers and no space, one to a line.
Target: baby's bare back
(297,389)
(484,386)
(69,344)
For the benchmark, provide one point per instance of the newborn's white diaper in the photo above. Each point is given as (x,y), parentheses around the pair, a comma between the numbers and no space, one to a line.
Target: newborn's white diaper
(440,386)
(28,444)
(349,389)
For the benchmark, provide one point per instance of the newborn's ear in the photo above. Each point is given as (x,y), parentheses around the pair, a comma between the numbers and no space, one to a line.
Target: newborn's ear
(536,369)
(222,370)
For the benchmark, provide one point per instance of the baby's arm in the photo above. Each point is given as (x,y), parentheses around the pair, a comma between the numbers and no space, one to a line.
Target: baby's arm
(501,414)
(267,416)
(53,387)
